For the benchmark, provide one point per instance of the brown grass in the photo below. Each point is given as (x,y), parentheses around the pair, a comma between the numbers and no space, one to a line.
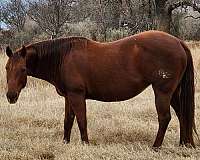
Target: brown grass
(33,127)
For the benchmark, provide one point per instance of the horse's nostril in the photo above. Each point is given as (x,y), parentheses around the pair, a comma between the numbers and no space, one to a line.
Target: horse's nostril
(11,96)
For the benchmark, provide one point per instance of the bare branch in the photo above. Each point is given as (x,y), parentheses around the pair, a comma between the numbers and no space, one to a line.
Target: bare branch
(184,3)
(50,15)
(13,13)
(190,16)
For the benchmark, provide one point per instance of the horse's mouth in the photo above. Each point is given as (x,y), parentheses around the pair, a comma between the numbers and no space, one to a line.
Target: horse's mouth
(12,97)
(12,101)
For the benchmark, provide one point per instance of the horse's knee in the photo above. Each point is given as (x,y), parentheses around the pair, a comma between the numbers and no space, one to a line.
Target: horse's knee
(164,119)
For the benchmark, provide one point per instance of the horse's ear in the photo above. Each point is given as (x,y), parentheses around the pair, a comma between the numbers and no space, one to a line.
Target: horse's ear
(9,51)
(23,51)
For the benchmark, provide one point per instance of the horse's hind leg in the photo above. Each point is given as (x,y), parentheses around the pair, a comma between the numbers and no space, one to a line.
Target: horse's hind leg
(162,100)
(175,103)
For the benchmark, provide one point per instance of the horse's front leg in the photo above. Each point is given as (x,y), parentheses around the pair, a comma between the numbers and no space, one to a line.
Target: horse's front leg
(78,105)
(68,121)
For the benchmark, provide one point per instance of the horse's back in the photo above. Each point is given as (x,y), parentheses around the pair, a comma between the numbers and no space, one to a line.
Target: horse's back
(154,40)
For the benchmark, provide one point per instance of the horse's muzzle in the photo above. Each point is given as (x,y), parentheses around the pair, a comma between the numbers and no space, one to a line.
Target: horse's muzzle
(12,97)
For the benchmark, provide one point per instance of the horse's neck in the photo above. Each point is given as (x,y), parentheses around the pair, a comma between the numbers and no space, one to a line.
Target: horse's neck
(42,70)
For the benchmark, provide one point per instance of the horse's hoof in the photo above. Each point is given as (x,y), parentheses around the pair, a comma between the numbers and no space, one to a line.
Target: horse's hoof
(156,149)
(189,145)
(85,143)
(66,141)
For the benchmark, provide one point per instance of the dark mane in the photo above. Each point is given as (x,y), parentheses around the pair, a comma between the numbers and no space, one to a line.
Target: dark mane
(56,46)
(52,52)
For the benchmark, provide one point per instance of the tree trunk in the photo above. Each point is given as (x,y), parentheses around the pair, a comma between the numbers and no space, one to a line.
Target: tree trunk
(163,16)
(163,21)
(116,13)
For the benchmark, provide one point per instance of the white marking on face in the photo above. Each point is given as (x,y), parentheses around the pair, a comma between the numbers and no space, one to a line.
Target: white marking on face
(164,74)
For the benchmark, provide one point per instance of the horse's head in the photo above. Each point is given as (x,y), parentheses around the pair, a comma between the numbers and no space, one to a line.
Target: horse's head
(16,73)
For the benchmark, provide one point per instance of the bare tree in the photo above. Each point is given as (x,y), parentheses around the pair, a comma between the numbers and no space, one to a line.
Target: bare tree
(140,15)
(102,15)
(101,18)
(164,9)
(50,15)
(13,14)
(115,8)
(155,14)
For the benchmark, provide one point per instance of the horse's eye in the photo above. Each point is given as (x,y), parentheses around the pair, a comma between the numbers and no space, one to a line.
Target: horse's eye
(23,70)
(7,67)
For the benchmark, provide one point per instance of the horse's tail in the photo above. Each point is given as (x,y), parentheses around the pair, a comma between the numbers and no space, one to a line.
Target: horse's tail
(187,102)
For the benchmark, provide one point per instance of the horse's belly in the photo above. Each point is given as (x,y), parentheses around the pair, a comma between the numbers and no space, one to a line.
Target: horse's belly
(117,93)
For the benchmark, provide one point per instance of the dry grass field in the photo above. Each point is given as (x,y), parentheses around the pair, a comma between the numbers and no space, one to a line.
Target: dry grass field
(33,127)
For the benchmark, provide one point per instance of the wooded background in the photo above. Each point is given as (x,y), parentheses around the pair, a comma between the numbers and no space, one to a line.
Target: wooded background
(26,21)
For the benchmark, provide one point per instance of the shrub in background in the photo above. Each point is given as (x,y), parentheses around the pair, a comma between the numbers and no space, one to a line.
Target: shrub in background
(85,28)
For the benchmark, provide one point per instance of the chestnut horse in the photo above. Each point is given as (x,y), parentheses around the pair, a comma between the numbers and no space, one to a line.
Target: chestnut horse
(82,69)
